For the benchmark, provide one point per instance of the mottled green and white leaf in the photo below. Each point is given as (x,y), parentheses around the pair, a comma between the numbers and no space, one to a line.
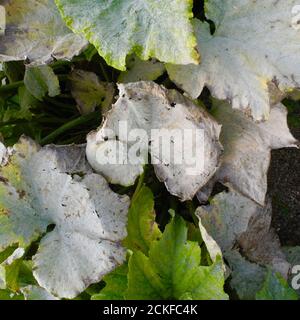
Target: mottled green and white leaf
(255,46)
(36,293)
(139,70)
(115,285)
(34,31)
(38,188)
(234,222)
(150,29)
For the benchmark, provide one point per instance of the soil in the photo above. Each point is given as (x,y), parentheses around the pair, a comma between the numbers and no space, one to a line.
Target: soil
(284,189)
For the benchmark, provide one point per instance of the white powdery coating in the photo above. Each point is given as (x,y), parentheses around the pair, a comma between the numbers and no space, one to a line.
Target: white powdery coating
(255,43)
(148,106)
(35,31)
(247,148)
(233,220)
(160,29)
(89,219)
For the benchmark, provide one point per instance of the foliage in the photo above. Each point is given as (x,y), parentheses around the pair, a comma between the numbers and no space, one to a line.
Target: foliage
(75,227)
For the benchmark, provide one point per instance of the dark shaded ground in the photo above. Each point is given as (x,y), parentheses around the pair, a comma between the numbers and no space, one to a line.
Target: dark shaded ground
(284,189)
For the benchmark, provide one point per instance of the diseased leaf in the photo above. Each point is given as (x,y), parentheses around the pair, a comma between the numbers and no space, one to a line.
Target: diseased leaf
(40,81)
(276,288)
(247,148)
(180,136)
(146,28)
(255,47)
(116,285)
(2,152)
(39,188)
(142,228)
(89,92)
(36,293)
(292,254)
(211,245)
(9,269)
(139,70)
(173,270)
(247,278)
(235,221)
(35,32)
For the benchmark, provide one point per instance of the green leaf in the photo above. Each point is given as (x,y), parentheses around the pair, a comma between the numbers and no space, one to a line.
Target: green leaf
(40,81)
(27,102)
(276,288)
(14,70)
(10,270)
(139,70)
(158,29)
(116,285)
(142,228)
(9,295)
(89,92)
(173,270)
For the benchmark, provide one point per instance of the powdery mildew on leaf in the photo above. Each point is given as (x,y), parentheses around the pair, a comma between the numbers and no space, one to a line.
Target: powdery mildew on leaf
(147,106)
(255,43)
(247,277)
(35,31)
(212,247)
(237,222)
(158,29)
(33,292)
(2,152)
(247,148)
(38,188)
(139,70)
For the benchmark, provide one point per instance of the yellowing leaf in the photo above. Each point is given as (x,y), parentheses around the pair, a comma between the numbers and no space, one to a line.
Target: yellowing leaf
(142,228)
(157,29)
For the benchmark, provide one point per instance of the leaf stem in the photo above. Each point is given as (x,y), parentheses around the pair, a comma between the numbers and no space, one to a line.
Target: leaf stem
(104,73)
(11,86)
(69,125)
(139,185)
